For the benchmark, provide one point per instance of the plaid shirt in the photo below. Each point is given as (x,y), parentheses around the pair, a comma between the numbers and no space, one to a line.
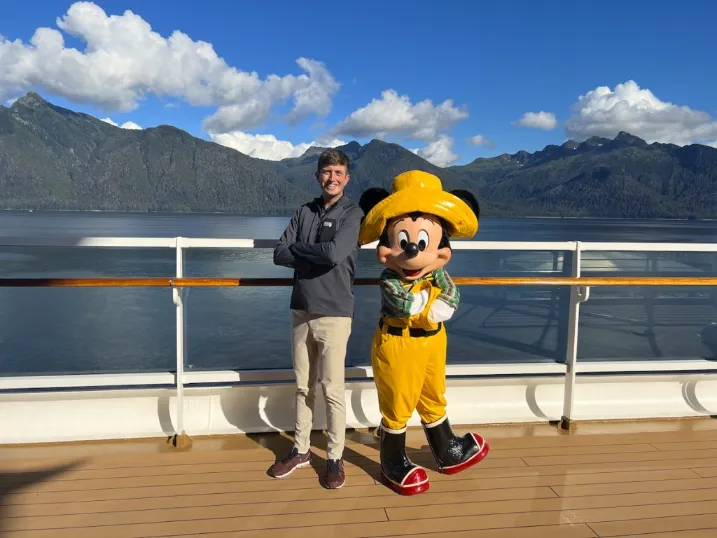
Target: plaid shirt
(396,297)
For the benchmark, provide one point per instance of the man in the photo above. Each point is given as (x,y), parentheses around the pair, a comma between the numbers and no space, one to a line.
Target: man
(321,245)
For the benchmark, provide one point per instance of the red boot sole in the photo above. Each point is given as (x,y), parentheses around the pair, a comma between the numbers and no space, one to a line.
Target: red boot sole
(409,489)
(476,458)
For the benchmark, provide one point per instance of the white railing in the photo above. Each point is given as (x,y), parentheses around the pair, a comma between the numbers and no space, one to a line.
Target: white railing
(570,368)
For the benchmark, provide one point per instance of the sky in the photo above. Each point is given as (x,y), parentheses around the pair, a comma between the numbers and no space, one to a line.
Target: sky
(449,80)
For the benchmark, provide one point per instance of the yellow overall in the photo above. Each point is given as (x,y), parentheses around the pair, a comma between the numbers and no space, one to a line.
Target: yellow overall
(410,371)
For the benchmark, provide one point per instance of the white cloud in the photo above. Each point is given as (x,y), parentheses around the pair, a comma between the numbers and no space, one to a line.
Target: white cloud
(538,120)
(11,101)
(605,112)
(125,60)
(712,144)
(394,115)
(266,146)
(438,152)
(481,141)
(125,125)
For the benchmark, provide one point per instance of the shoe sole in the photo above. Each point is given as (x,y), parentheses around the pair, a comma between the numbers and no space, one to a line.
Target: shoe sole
(299,466)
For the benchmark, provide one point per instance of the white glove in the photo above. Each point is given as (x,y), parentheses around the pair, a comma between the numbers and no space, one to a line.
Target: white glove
(440,311)
(420,300)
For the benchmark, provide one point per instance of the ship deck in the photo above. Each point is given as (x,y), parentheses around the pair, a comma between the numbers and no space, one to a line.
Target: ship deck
(650,479)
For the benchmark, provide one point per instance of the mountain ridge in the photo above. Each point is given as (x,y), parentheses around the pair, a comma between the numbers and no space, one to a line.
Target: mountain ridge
(56,158)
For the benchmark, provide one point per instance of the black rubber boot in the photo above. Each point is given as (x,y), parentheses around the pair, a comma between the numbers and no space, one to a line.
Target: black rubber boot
(452,453)
(397,470)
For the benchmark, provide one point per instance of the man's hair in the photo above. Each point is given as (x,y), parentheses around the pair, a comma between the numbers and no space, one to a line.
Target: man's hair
(331,157)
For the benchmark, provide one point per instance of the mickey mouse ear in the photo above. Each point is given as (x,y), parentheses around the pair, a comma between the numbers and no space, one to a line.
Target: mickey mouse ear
(469,199)
(370,198)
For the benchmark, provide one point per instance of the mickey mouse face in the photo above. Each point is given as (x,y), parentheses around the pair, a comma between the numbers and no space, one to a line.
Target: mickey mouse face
(415,242)
(413,245)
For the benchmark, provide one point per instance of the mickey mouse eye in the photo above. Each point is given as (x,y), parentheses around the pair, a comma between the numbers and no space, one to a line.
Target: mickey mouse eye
(402,239)
(423,240)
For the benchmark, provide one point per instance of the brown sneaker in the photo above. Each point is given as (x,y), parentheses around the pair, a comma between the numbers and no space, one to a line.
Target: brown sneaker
(290,463)
(335,476)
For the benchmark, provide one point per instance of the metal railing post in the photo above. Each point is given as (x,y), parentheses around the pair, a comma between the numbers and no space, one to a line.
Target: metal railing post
(180,439)
(578,294)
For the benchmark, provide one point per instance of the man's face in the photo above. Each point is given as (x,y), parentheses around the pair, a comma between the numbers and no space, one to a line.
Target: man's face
(333,179)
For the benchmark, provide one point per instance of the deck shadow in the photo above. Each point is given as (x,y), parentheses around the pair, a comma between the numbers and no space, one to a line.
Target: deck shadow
(280,443)
(272,411)
(12,483)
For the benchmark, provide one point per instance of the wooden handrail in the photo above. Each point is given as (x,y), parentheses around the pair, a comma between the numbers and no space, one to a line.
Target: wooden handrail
(211,282)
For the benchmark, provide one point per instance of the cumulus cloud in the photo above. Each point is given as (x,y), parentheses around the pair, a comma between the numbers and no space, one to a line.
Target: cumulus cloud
(266,146)
(545,121)
(605,112)
(395,115)
(439,151)
(125,125)
(481,141)
(125,60)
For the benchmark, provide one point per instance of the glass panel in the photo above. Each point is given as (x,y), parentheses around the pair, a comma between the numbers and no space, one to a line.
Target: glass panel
(78,330)
(51,331)
(649,322)
(248,328)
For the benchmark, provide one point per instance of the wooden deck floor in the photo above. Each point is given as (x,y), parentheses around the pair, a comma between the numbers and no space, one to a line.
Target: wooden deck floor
(651,480)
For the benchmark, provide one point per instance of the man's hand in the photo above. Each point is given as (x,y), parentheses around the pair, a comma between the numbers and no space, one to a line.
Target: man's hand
(440,311)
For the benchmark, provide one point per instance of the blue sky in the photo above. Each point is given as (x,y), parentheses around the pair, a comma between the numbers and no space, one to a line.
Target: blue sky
(492,62)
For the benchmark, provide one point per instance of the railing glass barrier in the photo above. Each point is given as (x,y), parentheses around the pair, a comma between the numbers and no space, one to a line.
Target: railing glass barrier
(55,331)
(649,322)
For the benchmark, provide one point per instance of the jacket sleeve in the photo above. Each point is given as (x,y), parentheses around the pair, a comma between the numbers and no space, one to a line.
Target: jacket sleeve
(282,253)
(332,252)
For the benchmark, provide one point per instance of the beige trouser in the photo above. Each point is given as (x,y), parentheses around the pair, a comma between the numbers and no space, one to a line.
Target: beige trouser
(319,355)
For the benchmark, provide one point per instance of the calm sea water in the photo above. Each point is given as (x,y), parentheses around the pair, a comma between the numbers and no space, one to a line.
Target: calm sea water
(73,330)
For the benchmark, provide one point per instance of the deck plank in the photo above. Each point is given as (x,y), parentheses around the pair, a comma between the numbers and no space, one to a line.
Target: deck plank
(665,526)
(249,503)
(703,533)
(648,479)
(297,486)
(543,531)
(705,472)
(661,484)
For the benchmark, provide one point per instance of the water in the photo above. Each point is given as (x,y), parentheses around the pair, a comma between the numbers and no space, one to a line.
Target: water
(78,330)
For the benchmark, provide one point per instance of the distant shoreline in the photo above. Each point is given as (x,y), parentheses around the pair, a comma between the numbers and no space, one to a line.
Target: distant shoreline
(288,215)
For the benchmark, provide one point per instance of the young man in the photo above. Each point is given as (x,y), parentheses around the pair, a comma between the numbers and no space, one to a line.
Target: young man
(321,245)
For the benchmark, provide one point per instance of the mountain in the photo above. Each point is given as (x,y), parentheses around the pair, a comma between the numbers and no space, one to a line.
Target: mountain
(54,158)
(623,177)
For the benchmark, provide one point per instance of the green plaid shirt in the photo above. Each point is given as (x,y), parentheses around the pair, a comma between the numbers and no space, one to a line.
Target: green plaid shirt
(396,298)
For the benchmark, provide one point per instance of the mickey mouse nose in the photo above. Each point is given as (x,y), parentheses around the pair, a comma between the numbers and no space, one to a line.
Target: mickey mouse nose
(411,250)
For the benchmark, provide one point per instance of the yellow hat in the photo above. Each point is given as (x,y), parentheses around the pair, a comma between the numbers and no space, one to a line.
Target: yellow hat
(419,191)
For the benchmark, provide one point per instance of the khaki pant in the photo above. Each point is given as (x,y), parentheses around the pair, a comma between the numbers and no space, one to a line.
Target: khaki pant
(319,355)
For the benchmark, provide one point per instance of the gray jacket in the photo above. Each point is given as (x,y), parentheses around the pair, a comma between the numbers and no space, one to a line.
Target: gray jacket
(322,247)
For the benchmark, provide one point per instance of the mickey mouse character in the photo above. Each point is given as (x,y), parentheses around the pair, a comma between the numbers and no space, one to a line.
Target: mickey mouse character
(408,353)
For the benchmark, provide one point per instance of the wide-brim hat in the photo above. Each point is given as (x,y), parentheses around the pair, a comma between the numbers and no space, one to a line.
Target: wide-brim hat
(419,191)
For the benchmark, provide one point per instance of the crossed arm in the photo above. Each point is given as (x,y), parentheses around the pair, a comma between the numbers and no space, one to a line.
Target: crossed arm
(293,254)
(449,292)
(282,255)
(400,303)
(396,300)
